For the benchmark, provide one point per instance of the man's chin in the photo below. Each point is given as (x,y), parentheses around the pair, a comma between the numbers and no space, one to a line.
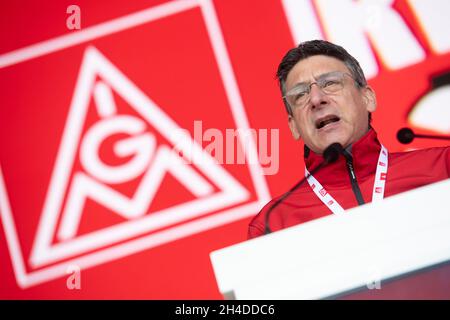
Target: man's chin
(333,136)
(332,140)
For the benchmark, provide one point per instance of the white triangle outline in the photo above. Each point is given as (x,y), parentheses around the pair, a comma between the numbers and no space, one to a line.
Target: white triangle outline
(43,252)
(160,160)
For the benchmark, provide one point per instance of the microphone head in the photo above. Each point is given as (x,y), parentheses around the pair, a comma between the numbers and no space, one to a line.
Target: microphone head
(405,135)
(332,152)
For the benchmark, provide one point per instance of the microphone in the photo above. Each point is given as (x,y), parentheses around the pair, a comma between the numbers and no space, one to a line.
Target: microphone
(406,135)
(330,155)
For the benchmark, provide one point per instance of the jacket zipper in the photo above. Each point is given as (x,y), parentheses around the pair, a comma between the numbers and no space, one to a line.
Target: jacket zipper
(353,181)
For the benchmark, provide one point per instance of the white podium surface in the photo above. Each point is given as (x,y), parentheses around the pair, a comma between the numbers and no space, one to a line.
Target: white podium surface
(335,254)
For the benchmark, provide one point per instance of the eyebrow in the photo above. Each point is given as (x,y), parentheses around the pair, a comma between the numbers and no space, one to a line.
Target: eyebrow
(298,84)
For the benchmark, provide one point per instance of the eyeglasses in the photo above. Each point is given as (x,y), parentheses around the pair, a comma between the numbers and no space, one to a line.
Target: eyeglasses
(329,83)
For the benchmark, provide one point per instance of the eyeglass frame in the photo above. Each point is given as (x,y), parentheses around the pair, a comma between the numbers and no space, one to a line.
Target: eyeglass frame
(285,97)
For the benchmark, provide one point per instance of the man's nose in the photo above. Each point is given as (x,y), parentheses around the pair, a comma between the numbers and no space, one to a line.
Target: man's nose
(317,96)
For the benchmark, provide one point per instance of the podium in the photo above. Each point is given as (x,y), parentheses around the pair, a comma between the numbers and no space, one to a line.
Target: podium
(398,248)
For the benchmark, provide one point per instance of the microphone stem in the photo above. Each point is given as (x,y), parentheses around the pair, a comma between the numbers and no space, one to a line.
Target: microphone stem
(330,155)
(432,137)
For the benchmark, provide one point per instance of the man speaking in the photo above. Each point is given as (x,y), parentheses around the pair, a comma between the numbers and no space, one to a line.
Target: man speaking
(328,101)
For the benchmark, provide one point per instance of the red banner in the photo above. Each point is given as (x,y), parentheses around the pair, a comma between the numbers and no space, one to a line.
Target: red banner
(138,137)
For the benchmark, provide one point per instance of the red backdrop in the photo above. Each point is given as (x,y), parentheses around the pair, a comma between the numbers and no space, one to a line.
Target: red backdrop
(143,69)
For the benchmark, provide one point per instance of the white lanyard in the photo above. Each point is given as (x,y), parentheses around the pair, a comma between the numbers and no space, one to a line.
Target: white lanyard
(378,185)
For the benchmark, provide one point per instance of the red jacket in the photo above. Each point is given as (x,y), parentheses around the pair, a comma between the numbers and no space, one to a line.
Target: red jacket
(406,170)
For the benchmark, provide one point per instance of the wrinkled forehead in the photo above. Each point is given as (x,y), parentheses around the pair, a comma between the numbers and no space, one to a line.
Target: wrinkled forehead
(311,68)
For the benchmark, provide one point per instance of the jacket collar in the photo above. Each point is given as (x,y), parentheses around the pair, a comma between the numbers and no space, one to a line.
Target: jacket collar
(365,154)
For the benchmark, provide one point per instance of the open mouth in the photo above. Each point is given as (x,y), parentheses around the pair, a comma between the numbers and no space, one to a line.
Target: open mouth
(322,122)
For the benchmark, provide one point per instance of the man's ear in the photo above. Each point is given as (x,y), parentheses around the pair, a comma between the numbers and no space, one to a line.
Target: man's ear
(370,99)
(293,127)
